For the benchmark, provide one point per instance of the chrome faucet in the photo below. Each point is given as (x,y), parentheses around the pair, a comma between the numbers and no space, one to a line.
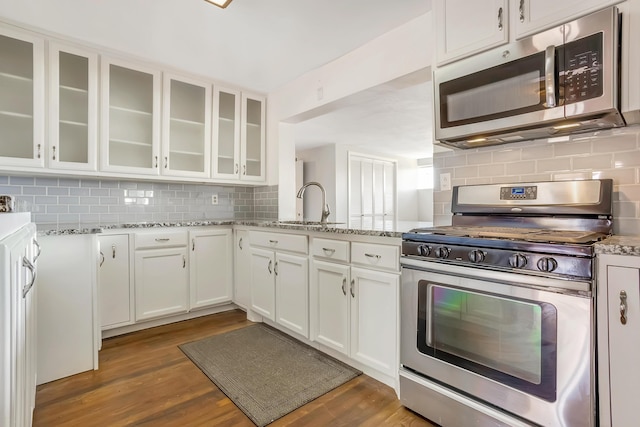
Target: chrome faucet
(325,207)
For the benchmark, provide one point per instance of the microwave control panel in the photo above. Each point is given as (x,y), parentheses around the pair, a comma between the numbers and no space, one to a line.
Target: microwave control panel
(583,69)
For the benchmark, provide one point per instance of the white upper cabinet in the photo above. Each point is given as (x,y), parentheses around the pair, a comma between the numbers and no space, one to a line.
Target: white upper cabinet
(21,99)
(73,108)
(464,27)
(226,137)
(532,16)
(130,117)
(186,127)
(252,138)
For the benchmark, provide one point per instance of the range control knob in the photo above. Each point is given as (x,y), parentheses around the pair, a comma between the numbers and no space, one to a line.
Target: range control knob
(443,252)
(424,250)
(547,264)
(517,261)
(476,255)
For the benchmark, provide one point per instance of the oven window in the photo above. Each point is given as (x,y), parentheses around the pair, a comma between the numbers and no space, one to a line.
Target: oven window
(509,340)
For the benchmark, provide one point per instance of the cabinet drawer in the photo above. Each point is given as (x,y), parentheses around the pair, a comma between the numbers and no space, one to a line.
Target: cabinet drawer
(161,239)
(331,249)
(385,257)
(284,242)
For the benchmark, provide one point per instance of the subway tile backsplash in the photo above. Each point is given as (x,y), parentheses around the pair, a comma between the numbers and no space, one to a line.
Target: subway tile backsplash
(611,154)
(79,202)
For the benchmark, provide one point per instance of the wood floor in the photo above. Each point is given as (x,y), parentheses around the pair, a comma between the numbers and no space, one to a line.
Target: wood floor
(144,379)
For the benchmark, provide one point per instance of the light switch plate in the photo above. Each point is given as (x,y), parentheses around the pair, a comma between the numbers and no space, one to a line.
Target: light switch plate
(445,181)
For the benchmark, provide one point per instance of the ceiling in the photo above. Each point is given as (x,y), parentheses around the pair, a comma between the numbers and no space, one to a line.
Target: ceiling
(260,45)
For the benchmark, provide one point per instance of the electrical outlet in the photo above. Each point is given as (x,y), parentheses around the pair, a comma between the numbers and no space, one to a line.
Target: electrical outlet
(445,181)
(214,199)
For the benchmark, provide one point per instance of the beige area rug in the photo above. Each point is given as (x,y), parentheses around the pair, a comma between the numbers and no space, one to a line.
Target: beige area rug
(266,373)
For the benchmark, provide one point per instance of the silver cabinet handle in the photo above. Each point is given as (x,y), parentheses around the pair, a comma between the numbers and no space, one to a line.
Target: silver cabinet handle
(113,251)
(344,286)
(237,168)
(500,19)
(275,268)
(39,150)
(54,152)
(184,262)
(273,242)
(373,256)
(550,75)
(351,290)
(623,307)
(521,10)
(244,169)
(269,266)
(164,239)
(193,244)
(240,243)
(32,269)
(328,251)
(35,242)
(156,157)
(166,162)
(101,258)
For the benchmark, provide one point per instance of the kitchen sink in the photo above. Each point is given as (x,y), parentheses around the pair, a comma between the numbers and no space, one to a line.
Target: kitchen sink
(308,223)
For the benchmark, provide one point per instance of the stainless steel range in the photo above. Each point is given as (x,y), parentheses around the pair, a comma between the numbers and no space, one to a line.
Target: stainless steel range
(497,310)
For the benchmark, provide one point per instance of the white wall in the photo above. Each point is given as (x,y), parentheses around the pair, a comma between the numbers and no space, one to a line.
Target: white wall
(392,55)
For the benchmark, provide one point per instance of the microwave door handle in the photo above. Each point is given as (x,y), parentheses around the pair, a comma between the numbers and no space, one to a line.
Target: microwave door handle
(550,75)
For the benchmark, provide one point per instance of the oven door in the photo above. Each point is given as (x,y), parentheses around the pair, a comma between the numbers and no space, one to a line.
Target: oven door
(511,340)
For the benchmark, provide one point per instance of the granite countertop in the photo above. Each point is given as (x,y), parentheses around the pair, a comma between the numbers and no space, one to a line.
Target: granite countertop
(400,227)
(619,245)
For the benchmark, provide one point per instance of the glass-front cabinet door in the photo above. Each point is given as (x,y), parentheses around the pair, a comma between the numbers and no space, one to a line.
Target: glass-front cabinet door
(21,99)
(252,138)
(130,118)
(73,108)
(226,135)
(186,136)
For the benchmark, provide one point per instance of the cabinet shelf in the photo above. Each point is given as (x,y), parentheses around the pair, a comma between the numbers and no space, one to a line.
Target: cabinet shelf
(131,110)
(187,122)
(253,125)
(226,120)
(16,77)
(13,114)
(225,157)
(73,89)
(187,153)
(72,123)
(130,142)
(253,160)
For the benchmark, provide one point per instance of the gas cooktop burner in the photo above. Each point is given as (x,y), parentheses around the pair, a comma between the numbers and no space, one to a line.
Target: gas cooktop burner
(514,233)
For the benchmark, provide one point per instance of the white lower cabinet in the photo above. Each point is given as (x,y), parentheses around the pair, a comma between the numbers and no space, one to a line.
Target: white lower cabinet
(279,279)
(618,320)
(114,285)
(161,274)
(354,310)
(242,272)
(210,267)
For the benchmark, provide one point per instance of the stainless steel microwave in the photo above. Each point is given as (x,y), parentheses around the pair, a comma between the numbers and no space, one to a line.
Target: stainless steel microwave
(563,80)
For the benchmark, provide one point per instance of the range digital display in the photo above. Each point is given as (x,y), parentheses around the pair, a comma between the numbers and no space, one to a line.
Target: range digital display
(517,191)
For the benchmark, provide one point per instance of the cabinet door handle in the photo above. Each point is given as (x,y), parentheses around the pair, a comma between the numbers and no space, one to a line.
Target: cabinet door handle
(351,290)
(166,162)
(156,157)
(101,258)
(237,168)
(344,286)
(275,268)
(373,256)
(39,150)
(32,269)
(244,169)
(273,242)
(113,251)
(269,266)
(35,242)
(328,251)
(193,244)
(623,307)
(54,152)
(184,261)
(500,19)
(164,239)
(521,10)
(240,243)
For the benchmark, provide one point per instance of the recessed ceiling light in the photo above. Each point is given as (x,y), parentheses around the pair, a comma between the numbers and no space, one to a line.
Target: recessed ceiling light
(219,3)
